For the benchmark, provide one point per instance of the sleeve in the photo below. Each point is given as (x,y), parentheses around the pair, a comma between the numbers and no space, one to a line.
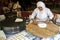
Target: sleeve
(33,15)
(50,14)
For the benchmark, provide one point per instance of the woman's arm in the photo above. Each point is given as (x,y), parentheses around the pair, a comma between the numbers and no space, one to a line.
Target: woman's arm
(50,15)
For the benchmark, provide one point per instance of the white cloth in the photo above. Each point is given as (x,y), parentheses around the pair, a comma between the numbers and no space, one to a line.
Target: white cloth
(2,35)
(2,17)
(56,37)
(40,3)
(41,15)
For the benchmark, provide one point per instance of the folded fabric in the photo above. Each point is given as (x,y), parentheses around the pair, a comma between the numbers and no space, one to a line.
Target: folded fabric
(2,35)
(58,20)
(2,17)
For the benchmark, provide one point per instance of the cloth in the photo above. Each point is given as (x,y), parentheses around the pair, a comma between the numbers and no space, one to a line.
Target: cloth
(58,18)
(41,15)
(2,17)
(40,4)
(56,37)
(2,35)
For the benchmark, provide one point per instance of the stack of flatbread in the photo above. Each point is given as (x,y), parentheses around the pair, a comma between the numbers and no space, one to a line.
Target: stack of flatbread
(18,20)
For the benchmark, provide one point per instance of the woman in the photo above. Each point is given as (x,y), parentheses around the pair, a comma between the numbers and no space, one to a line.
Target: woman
(41,13)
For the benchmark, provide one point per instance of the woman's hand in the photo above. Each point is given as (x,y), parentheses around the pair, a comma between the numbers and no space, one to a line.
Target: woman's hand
(34,21)
(48,20)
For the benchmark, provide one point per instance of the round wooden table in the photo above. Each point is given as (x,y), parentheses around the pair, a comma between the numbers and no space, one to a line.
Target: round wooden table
(49,31)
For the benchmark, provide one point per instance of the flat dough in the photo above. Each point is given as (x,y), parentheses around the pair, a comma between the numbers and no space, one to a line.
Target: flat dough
(42,25)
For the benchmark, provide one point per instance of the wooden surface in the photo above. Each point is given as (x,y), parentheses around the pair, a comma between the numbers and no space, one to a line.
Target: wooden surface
(49,31)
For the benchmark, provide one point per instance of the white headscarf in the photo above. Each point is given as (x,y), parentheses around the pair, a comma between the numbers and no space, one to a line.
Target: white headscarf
(40,3)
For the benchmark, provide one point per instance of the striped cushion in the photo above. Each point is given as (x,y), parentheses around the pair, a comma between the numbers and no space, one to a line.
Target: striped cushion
(22,36)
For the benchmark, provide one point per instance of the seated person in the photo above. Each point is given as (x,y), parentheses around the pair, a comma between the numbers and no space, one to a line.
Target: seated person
(56,18)
(41,13)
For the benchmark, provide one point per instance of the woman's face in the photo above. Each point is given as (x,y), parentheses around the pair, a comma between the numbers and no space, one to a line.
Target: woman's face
(40,8)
